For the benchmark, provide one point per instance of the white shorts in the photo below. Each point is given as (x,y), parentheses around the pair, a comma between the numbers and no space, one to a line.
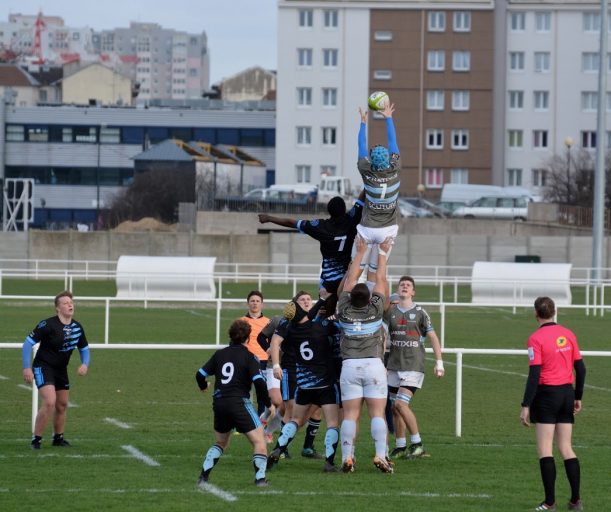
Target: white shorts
(377,235)
(363,378)
(398,379)
(272,382)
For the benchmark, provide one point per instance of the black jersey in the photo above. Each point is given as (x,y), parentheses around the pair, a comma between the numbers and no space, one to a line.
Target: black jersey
(336,237)
(287,359)
(57,341)
(311,343)
(234,369)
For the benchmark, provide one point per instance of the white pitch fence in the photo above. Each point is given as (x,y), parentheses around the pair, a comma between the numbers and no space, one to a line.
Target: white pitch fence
(460,352)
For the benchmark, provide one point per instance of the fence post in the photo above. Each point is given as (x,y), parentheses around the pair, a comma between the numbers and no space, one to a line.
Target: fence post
(218,322)
(260,282)
(458,394)
(455,289)
(294,286)
(221,287)
(602,299)
(442,310)
(106,320)
(588,298)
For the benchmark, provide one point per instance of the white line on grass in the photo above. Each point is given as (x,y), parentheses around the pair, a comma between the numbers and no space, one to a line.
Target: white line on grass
(369,494)
(219,493)
(24,386)
(2,377)
(72,404)
(139,455)
(117,423)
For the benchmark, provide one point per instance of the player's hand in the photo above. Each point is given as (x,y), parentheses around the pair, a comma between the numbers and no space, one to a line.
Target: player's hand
(524,416)
(439,370)
(82,370)
(278,373)
(263,218)
(386,244)
(323,293)
(28,375)
(363,115)
(360,243)
(388,110)
(577,406)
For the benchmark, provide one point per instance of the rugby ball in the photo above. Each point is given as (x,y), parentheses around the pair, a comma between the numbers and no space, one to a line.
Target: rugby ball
(378,100)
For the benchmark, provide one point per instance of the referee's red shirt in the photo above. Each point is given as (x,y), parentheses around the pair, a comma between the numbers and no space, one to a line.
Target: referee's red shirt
(554,348)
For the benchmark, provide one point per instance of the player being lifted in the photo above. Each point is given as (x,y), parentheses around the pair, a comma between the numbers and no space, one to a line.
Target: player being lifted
(335,234)
(380,169)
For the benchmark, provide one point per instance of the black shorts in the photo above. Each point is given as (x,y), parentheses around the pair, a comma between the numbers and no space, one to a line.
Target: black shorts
(317,396)
(553,404)
(235,412)
(45,375)
(288,385)
(330,286)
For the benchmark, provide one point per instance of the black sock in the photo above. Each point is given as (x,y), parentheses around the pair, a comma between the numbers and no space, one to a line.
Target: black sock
(548,475)
(311,431)
(573,473)
(36,438)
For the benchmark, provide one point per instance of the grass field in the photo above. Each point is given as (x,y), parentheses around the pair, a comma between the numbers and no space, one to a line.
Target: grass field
(492,467)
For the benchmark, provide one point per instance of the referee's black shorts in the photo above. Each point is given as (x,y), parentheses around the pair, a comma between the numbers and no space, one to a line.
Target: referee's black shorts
(235,412)
(553,404)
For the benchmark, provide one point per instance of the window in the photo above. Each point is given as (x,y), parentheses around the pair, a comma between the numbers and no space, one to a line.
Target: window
(304,173)
(460,139)
(329,57)
(516,100)
(591,22)
(514,177)
(516,61)
(543,21)
(434,139)
(539,177)
(304,96)
(329,136)
(304,135)
(462,21)
(304,57)
(306,18)
(437,21)
(542,62)
(84,134)
(590,62)
(329,97)
(589,101)
(433,178)
(588,140)
(15,133)
(517,21)
(515,138)
(382,74)
(436,60)
(459,176)
(382,35)
(328,170)
(110,135)
(540,139)
(460,100)
(541,100)
(38,134)
(330,18)
(461,61)
(434,100)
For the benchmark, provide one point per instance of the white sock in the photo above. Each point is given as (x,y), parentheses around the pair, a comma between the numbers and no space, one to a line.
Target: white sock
(348,431)
(415,438)
(379,431)
(400,442)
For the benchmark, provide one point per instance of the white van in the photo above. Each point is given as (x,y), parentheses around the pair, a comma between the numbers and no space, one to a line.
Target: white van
(467,193)
(495,207)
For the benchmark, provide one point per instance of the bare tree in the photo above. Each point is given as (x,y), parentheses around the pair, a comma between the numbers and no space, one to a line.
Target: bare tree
(570,180)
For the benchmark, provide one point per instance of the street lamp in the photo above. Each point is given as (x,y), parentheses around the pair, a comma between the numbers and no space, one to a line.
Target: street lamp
(568,142)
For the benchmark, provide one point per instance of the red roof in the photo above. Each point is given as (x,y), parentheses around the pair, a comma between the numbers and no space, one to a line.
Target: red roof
(129,58)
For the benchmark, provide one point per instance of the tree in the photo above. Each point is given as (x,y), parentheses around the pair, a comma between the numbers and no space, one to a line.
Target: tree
(570,180)
(154,193)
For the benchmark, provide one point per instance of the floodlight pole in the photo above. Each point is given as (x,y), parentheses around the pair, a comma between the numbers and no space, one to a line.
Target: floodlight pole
(598,208)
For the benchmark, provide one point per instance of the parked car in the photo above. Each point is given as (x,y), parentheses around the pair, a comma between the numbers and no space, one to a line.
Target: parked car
(495,207)
(407,209)
(450,206)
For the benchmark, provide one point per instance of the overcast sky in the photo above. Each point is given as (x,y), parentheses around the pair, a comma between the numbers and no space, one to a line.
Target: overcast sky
(241,33)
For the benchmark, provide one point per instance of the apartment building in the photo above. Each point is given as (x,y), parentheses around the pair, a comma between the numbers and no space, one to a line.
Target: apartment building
(436,61)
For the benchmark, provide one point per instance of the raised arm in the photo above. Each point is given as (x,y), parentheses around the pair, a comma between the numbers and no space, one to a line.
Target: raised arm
(381,284)
(280,221)
(390,128)
(355,270)
(363,134)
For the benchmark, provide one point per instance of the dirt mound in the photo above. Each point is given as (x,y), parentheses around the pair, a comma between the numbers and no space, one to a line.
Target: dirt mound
(144,224)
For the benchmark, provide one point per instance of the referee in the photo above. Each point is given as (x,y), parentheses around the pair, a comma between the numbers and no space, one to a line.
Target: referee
(551,401)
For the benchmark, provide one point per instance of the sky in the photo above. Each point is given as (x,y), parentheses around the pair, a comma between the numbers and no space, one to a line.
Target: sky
(241,33)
